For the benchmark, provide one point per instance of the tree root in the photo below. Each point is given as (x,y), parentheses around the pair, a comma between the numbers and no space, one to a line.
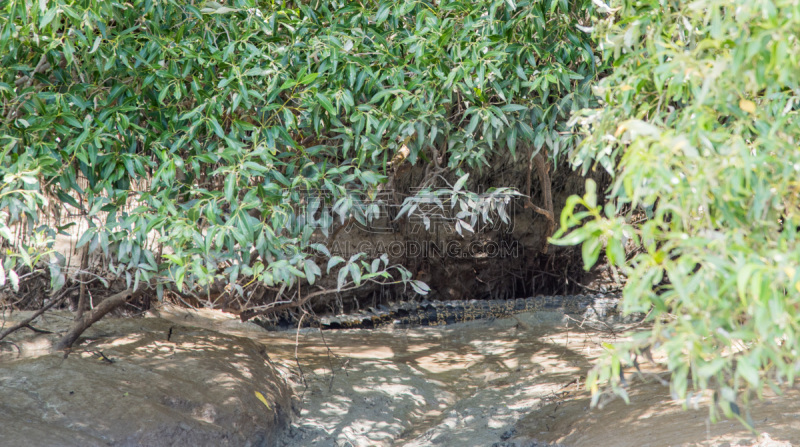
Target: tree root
(543,171)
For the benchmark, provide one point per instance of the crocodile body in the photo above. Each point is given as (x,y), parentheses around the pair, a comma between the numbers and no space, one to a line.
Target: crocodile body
(435,313)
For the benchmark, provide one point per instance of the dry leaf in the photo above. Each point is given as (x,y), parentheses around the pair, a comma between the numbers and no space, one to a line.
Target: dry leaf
(747,106)
(263,400)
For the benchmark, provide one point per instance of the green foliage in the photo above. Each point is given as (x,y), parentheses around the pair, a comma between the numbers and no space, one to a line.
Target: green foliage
(699,120)
(226,113)
(17,199)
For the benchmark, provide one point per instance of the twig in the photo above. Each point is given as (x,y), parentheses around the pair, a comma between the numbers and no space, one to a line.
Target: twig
(251,313)
(26,82)
(37,330)
(26,322)
(618,289)
(330,360)
(296,346)
(19,350)
(100,356)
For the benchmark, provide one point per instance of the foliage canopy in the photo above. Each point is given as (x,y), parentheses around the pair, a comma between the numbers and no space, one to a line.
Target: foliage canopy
(700,122)
(227,112)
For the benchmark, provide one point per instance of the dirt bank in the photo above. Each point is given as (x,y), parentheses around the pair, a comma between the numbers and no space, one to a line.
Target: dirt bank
(139,381)
(507,382)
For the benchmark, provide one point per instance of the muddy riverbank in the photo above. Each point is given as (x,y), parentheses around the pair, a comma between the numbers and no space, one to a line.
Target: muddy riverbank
(513,382)
(503,382)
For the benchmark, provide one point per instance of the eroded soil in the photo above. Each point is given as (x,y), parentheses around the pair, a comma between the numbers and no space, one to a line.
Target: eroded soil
(138,382)
(508,382)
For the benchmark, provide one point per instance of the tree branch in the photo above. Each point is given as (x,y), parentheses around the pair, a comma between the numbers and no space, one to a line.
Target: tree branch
(251,313)
(26,322)
(26,81)
(97,313)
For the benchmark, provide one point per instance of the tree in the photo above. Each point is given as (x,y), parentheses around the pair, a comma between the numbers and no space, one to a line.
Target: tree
(215,118)
(699,124)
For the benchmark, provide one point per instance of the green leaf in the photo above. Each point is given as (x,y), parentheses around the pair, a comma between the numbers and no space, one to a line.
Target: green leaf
(309,78)
(590,251)
(513,108)
(460,183)
(748,371)
(326,104)
(743,278)
(383,13)
(311,270)
(230,187)
(355,272)
(420,287)
(216,127)
(85,238)
(13,278)
(217,9)
(48,17)
(341,279)
(333,262)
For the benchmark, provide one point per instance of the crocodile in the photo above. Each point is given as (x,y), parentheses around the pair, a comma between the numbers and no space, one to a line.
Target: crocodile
(435,313)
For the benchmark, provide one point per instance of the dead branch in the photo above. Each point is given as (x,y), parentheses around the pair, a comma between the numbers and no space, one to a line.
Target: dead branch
(252,313)
(37,330)
(26,81)
(97,313)
(27,321)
